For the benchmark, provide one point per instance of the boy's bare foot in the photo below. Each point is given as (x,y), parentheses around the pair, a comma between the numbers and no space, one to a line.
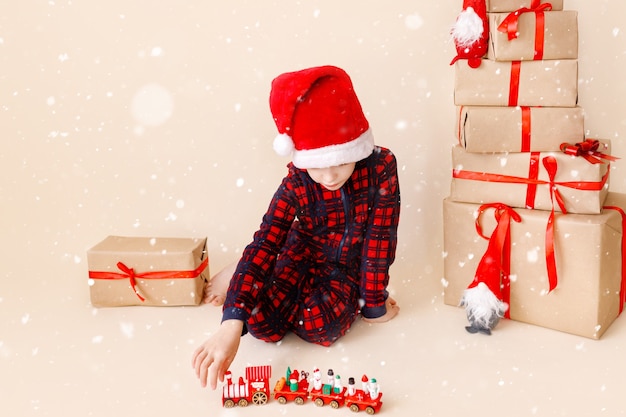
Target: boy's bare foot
(215,289)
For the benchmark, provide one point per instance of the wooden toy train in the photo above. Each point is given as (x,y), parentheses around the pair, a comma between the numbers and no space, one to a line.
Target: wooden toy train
(295,386)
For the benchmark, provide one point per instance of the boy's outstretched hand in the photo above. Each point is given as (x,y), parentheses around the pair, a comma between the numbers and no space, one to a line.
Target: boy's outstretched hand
(212,359)
(392,310)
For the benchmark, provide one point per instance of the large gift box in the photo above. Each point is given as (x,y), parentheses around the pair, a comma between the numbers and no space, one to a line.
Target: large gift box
(500,6)
(587,294)
(548,83)
(533,35)
(518,129)
(126,271)
(539,180)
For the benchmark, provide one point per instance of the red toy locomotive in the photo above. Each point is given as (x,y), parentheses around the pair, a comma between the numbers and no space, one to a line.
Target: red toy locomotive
(254,389)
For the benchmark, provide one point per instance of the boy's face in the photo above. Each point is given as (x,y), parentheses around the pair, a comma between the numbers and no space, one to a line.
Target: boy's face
(332,178)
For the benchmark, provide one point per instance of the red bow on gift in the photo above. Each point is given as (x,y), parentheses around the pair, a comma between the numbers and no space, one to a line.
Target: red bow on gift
(588,150)
(131,275)
(509,24)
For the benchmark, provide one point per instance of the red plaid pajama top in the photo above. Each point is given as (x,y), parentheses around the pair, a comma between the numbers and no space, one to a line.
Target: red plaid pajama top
(320,256)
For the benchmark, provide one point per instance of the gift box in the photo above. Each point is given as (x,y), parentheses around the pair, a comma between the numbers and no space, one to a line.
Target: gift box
(132,271)
(549,83)
(500,6)
(588,295)
(533,35)
(518,129)
(539,180)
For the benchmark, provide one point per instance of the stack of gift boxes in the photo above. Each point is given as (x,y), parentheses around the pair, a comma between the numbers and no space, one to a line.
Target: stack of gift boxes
(522,150)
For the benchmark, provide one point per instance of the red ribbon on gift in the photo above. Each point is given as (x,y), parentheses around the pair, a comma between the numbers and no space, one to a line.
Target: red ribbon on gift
(531,182)
(622,290)
(510,25)
(496,262)
(525,129)
(516,69)
(588,150)
(131,275)
(550,164)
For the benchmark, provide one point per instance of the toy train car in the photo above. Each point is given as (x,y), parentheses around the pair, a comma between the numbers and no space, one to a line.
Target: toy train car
(296,387)
(254,389)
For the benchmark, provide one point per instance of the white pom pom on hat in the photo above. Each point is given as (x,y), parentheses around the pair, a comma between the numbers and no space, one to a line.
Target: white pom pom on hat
(283,144)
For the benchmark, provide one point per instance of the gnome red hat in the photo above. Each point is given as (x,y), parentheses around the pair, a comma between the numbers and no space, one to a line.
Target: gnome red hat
(319,118)
(484,299)
(471,32)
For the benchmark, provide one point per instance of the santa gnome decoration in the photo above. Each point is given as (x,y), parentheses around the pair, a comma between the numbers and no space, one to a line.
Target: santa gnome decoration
(470,32)
(484,297)
(319,118)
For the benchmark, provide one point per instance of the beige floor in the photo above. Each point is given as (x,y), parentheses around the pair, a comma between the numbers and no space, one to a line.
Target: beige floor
(61,357)
(150,118)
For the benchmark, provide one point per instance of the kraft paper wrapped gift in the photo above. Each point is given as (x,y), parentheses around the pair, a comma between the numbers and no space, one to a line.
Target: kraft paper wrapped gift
(588,249)
(133,271)
(500,6)
(547,83)
(518,129)
(537,35)
(523,180)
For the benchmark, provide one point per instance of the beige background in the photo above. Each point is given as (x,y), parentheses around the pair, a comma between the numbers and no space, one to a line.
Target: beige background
(150,118)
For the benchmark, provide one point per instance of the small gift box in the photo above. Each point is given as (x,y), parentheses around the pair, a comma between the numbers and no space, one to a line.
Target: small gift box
(587,292)
(539,180)
(533,35)
(550,83)
(131,271)
(518,129)
(501,6)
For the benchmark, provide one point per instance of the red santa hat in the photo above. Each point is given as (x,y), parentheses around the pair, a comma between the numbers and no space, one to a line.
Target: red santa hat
(319,118)
(470,32)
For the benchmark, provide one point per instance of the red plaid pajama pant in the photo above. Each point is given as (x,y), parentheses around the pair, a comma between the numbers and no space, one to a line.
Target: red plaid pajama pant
(317,301)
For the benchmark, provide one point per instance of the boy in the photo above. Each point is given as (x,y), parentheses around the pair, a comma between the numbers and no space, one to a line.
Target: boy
(325,245)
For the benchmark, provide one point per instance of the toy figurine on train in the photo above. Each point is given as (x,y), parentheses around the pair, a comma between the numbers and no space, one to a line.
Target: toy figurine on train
(296,387)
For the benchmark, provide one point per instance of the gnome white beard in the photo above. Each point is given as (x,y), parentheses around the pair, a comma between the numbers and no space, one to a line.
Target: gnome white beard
(468,28)
(481,304)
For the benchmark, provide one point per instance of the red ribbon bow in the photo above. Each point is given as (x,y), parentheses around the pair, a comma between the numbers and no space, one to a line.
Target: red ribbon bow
(131,275)
(510,25)
(549,162)
(588,150)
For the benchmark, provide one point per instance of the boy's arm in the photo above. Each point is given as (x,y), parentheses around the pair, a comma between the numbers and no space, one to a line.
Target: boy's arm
(259,257)
(379,246)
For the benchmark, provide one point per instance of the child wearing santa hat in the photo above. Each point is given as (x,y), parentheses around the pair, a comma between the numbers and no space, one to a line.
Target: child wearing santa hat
(322,253)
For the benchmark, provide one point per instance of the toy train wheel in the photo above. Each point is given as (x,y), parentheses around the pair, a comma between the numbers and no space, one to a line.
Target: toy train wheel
(229,404)
(354,408)
(243,402)
(299,400)
(334,404)
(319,402)
(370,411)
(259,398)
(282,400)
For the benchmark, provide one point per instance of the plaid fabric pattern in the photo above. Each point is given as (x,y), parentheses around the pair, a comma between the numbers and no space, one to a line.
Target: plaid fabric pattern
(320,256)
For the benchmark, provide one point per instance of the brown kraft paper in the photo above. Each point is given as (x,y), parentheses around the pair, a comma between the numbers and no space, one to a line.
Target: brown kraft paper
(518,129)
(523,180)
(501,6)
(134,271)
(587,297)
(558,40)
(551,83)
